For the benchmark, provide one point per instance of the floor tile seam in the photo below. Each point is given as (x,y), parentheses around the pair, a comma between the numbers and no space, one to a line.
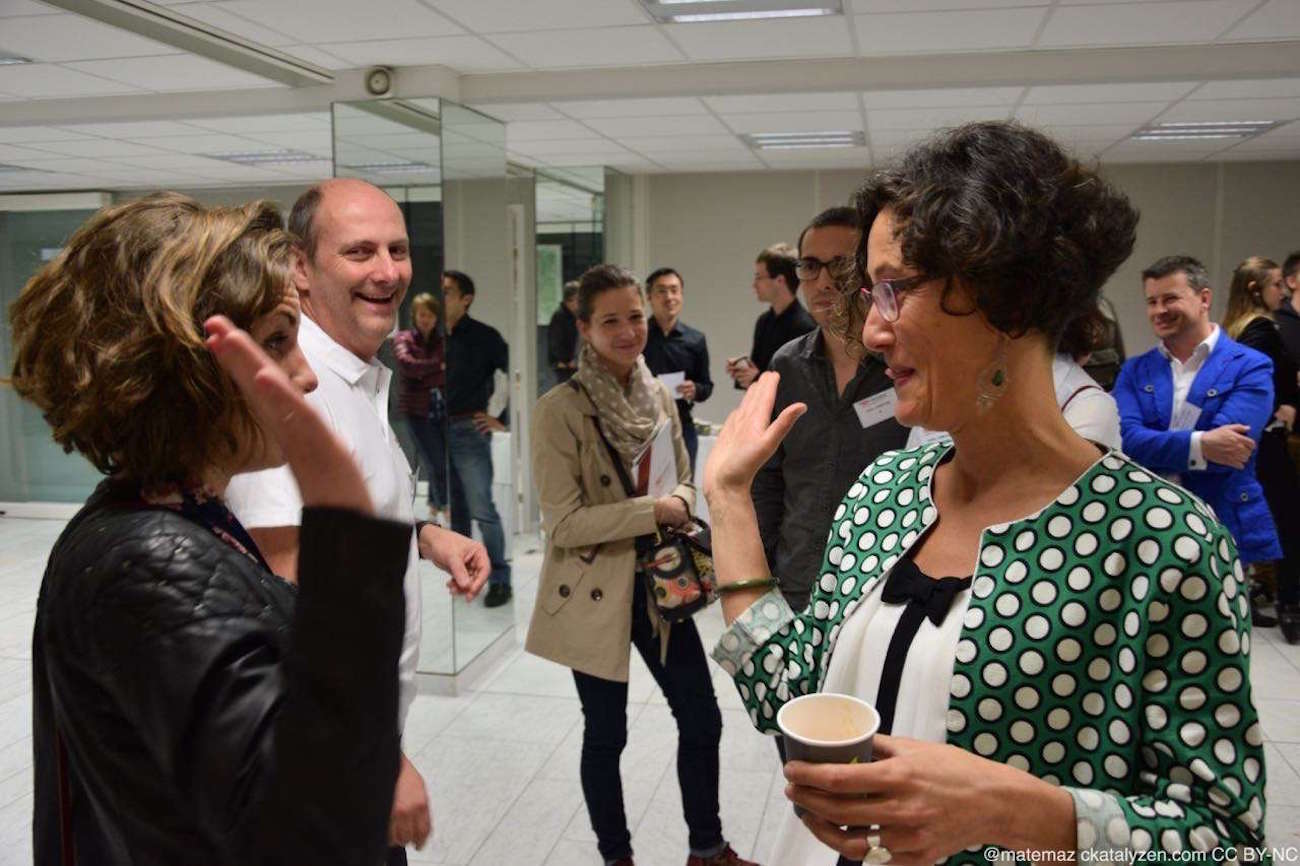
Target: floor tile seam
(532,778)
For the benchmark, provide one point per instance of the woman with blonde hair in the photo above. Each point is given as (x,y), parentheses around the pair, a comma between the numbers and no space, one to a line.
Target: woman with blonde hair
(422,375)
(190,706)
(1256,293)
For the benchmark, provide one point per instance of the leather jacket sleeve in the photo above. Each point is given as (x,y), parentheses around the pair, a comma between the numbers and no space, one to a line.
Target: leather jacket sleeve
(285,751)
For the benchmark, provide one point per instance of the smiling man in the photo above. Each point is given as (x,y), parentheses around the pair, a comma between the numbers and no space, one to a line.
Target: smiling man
(352,267)
(1195,406)
(675,347)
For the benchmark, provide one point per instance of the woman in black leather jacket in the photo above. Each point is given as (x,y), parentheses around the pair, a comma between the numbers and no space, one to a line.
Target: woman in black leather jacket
(190,707)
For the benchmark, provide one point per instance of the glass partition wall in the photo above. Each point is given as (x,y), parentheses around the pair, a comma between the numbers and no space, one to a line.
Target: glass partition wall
(570,239)
(33,469)
(445,167)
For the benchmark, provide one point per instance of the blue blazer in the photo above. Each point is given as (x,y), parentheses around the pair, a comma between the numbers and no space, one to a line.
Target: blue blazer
(1234,386)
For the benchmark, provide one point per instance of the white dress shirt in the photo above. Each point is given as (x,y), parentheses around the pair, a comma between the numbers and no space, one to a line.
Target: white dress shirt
(1183,415)
(1087,408)
(920,711)
(353,399)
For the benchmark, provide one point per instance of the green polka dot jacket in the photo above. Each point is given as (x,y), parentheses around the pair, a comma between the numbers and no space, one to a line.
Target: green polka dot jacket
(1105,648)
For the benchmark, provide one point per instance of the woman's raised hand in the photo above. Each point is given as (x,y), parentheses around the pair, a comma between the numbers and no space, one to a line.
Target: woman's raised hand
(325,471)
(748,439)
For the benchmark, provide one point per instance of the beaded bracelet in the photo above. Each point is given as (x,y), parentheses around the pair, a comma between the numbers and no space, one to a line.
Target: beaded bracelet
(751,583)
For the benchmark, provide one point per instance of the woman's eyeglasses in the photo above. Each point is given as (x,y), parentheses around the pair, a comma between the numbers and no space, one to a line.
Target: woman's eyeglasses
(884,294)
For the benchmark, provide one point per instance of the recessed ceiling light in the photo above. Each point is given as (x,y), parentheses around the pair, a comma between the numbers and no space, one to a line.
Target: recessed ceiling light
(696,11)
(282,156)
(1203,130)
(803,140)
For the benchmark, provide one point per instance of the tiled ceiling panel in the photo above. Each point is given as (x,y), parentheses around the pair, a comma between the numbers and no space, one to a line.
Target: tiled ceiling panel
(1142,23)
(1233,109)
(1145,92)
(783,102)
(48,81)
(952,97)
(931,118)
(691,124)
(937,5)
(56,38)
(1277,88)
(947,31)
(510,17)
(745,40)
(795,121)
(1277,19)
(584,110)
(607,46)
(1091,113)
(463,53)
(344,20)
(172,73)
(219,15)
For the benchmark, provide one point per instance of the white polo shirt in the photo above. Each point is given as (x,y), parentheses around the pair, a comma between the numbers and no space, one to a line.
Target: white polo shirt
(353,399)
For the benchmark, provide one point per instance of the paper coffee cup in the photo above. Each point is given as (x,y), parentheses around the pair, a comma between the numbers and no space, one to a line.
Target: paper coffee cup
(828,728)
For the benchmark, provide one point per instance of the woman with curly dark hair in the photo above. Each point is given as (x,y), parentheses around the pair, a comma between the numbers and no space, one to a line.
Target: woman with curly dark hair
(1055,638)
(190,707)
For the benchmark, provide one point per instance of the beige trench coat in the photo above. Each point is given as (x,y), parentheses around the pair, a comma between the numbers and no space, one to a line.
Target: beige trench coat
(583,615)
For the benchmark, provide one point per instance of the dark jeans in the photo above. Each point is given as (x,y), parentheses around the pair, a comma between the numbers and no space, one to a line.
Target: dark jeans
(1277,475)
(684,679)
(471,492)
(432,446)
(692,443)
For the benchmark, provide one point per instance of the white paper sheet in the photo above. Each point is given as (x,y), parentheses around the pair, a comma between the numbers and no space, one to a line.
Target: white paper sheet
(663,462)
(671,381)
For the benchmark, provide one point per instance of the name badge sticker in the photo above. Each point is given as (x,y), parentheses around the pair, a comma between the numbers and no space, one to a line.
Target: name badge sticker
(876,408)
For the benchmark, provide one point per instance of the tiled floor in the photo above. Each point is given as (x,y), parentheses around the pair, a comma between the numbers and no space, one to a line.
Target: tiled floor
(502,763)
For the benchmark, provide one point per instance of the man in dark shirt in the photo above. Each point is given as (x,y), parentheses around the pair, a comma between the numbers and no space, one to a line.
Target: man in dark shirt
(475,350)
(849,422)
(1287,316)
(775,282)
(673,347)
(562,336)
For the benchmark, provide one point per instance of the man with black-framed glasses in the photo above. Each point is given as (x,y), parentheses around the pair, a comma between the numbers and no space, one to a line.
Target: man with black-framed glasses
(850,417)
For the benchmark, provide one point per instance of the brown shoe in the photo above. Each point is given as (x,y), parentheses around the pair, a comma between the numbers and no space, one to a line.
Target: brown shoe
(725,857)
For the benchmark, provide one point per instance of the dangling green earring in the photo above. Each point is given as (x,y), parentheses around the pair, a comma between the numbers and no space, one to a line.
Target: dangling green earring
(992,383)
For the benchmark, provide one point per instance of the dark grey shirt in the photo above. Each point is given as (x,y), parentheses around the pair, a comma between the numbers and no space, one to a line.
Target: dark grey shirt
(796,492)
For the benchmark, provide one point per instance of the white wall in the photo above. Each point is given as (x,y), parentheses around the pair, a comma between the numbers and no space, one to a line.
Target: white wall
(711,226)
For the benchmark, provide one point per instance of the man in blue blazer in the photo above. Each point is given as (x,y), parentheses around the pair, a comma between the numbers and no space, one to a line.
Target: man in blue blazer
(1194,407)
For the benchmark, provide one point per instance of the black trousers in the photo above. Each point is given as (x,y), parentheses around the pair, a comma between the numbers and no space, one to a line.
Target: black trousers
(684,679)
(1277,475)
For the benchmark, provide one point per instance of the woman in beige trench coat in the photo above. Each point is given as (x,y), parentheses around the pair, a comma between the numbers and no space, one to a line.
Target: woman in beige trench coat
(591,606)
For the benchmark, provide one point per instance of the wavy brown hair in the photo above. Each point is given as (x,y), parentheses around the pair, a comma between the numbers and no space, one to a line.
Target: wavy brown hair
(1244,301)
(1031,232)
(109,341)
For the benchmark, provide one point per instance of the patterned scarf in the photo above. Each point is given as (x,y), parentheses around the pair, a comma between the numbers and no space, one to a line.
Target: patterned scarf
(630,414)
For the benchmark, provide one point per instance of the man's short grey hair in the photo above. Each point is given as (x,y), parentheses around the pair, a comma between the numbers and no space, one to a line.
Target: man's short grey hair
(302,219)
(1197,277)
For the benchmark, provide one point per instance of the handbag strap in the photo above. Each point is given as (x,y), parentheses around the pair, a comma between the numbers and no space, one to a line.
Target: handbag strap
(1077,392)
